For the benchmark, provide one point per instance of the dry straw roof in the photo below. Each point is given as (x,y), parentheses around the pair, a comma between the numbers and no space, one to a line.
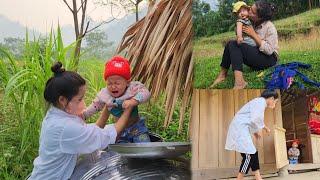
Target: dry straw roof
(159,47)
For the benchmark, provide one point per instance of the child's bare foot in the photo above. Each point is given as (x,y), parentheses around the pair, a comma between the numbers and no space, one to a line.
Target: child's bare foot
(241,85)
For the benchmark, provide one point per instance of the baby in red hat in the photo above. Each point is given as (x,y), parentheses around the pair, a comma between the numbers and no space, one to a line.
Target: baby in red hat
(294,152)
(119,94)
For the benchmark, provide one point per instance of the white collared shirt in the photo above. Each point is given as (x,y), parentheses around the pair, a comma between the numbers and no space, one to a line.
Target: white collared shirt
(63,137)
(248,120)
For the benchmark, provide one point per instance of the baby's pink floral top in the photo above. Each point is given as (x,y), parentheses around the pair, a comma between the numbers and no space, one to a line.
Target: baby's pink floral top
(135,90)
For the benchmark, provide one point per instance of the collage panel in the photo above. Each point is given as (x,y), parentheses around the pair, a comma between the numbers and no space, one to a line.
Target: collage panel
(255,133)
(95,89)
(277,48)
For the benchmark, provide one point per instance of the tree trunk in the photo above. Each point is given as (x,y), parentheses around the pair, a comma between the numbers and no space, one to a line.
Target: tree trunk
(77,32)
(137,11)
(310,6)
(77,53)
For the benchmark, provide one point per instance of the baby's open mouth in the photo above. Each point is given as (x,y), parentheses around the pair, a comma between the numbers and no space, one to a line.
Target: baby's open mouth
(115,92)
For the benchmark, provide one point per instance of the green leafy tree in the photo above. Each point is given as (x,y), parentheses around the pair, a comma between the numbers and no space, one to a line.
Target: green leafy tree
(97,45)
(14,45)
(207,22)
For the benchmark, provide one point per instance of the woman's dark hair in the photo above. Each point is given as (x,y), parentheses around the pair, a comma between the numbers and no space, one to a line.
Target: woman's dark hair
(265,10)
(269,93)
(63,83)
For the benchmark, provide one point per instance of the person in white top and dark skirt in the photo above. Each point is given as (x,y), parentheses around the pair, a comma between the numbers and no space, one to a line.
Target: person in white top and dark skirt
(247,121)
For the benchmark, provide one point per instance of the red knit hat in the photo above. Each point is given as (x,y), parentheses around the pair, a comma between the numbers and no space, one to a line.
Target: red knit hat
(296,141)
(117,65)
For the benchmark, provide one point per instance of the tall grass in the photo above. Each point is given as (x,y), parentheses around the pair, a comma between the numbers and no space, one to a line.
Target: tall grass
(22,105)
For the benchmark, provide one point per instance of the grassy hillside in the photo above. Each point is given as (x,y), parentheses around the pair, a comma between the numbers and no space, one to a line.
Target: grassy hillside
(299,41)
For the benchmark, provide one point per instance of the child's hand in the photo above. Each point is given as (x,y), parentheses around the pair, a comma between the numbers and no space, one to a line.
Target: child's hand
(239,40)
(129,103)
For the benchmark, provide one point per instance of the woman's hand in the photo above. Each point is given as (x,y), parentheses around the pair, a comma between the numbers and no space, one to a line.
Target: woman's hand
(252,33)
(267,129)
(249,31)
(257,135)
(130,103)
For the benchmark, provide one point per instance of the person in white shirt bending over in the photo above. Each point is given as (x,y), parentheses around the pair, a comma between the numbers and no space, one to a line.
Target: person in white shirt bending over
(64,135)
(250,120)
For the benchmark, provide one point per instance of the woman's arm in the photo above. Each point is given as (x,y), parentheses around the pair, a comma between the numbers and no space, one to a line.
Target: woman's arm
(123,120)
(250,32)
(101,122)
(78,138)
(269,44)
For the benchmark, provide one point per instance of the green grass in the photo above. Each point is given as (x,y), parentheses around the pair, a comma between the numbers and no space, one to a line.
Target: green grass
(206,70)
(22,106)
(298,46)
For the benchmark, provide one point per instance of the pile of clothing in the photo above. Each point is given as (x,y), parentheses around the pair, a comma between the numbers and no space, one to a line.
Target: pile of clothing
(314,116)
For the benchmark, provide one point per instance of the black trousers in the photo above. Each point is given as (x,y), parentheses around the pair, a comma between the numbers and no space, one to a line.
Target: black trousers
(249,161)
(238,54)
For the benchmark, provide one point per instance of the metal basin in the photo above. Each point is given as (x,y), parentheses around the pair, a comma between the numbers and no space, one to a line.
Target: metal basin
(115,167)
(155,149)
(152,150)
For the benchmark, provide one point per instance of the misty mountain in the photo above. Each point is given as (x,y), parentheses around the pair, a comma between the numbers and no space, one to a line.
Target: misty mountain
(114,29)
(10,28)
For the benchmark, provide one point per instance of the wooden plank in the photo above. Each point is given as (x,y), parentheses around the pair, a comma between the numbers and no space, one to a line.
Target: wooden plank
(226,114)
(208,132)
(303,166)
(195,120)
(315,146)
(240,99)
(222,173)
(280,147)
(278,112)
(254,93)
(268,139)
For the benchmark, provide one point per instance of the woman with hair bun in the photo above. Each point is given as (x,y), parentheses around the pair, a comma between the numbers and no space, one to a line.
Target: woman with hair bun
(64,135)
(249,120)
(259,57)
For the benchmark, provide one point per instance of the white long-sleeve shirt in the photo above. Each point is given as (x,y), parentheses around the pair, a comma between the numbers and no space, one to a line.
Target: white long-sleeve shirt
(63,137)
(248,120)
